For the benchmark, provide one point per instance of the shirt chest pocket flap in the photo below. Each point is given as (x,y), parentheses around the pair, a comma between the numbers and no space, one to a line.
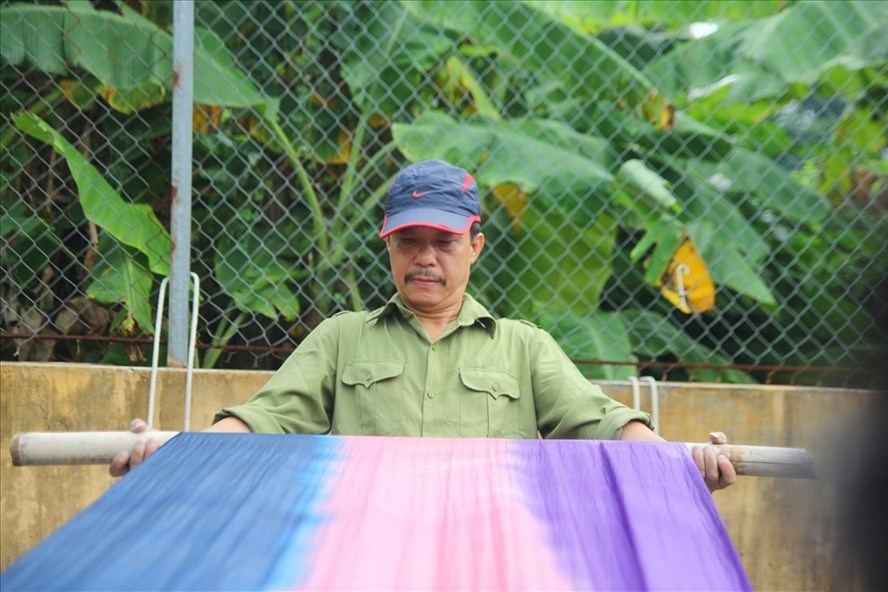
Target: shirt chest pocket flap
(496,383)
(369,372)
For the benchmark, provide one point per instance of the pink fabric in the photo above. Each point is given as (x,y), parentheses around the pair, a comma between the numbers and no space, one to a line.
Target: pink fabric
(430,514)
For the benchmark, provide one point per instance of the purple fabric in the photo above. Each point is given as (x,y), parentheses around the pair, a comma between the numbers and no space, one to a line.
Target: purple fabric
(630,516)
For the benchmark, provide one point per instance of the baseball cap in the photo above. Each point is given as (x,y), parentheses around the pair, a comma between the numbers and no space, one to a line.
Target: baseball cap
(432,193)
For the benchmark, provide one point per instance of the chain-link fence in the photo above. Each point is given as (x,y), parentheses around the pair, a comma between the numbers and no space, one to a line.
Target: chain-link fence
(695,190)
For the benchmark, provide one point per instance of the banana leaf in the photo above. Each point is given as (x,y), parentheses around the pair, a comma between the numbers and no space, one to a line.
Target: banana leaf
(132,224)
(119,276)
(549,161)
(250,271)
(386,50)
(687,138)
(548,259)
(761,58)
(655,336)
(772,186)
(728,265)
(129,55)
(593,16)
(595,336)
(644,187)
(540,43)
(30,242)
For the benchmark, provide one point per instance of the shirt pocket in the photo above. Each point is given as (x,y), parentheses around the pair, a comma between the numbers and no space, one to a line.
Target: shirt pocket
(365,405)
(490,405)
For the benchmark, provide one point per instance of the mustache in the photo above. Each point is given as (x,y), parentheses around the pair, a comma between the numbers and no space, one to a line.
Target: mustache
(424,274)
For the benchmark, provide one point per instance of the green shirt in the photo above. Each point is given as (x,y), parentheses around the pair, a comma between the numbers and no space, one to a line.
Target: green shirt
(377,373)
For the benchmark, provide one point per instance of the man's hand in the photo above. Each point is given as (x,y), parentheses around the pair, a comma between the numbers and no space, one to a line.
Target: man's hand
(717,470)
(126,461)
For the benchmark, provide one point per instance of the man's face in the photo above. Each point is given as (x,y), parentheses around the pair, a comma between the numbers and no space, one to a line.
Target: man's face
(431,267)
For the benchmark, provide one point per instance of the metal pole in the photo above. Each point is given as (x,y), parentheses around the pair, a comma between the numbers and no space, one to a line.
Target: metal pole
(180,190)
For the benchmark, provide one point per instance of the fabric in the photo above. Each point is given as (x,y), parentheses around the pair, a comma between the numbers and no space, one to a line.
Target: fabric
(434,194)
(483,377)
(262,512)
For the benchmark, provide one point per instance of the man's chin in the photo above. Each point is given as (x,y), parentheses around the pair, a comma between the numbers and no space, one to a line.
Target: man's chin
(417,287)
(419,298)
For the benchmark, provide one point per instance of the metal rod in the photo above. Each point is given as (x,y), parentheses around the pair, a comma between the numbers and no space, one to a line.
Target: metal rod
(155,354)
(636,393)
(655,398)
(655,402)
(180,190)
(192,347)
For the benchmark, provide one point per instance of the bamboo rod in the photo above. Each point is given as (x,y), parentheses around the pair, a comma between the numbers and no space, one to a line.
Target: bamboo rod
(83,448)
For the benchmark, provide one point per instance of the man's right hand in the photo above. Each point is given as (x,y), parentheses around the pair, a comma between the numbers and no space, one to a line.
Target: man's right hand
(126,461)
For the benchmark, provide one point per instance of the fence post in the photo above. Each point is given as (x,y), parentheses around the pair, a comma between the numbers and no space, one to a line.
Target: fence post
(180,190)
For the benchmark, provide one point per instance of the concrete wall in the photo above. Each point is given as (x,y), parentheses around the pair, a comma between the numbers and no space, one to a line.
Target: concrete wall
(785,530)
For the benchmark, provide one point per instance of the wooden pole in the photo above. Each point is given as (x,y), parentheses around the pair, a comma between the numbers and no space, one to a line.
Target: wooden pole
(83,448)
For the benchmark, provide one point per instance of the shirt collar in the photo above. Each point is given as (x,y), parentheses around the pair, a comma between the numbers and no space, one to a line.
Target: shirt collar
(472,312)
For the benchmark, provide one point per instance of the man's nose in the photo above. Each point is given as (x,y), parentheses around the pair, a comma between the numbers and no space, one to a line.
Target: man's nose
(425,254)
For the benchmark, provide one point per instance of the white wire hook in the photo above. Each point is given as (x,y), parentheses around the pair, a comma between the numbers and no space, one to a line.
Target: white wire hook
(636,393)
(655,398)
(192,346)
(655,402)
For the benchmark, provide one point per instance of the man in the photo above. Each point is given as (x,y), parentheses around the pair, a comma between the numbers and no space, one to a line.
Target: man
(433,362)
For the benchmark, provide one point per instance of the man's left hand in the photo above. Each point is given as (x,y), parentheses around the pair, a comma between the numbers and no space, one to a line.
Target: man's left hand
(717,470)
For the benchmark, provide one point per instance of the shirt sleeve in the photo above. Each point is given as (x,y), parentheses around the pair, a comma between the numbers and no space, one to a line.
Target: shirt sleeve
(298,398)
(568,406)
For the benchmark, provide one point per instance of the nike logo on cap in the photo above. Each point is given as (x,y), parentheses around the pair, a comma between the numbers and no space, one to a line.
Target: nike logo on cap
(417,195)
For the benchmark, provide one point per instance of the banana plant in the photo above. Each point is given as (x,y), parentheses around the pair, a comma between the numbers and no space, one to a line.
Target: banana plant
(599,142)
(672,174)
(127,60)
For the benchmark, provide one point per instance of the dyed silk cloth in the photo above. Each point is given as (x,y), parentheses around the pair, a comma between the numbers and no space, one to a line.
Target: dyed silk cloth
(260,512)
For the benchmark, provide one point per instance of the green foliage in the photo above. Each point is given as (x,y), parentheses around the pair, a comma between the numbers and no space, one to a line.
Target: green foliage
(655,337)
(589,337)
(120,277)
(763,58)
(141,73)
(600,133)
(131,224)
(257,279)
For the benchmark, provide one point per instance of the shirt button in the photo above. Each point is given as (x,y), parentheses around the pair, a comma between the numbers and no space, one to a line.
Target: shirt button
(430,394)
(434,348)
(495,387)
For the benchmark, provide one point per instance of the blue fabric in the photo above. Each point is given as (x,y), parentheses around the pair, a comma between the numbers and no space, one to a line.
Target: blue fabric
(206,512)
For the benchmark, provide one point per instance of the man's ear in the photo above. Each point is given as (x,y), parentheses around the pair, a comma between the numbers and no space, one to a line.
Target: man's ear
(477,246)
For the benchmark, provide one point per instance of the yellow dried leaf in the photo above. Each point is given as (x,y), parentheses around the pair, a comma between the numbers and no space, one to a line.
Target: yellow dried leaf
(206,118)
(108,93)
(686,282)
(514,201)
(378,121)
(667,117)
(77,93)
